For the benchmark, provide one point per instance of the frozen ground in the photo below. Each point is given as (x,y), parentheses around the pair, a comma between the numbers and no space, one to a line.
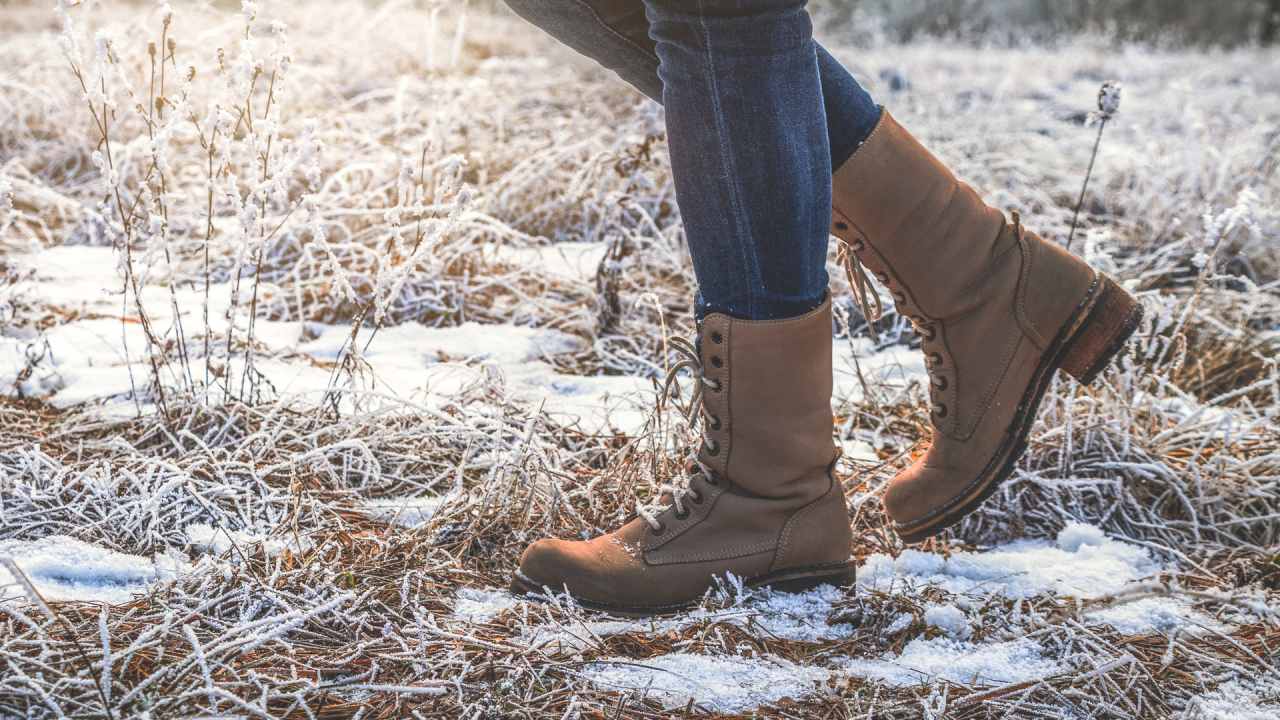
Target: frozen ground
(221,506)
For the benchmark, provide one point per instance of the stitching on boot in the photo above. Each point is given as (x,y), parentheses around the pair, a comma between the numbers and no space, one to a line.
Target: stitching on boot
(965,430)
(727,389)
(982,281)
(1029,255)
(723,554)
(1011,352)
(784,540)
(965,492)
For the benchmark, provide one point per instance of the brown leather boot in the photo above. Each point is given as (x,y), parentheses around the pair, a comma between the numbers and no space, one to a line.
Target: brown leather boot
(998,310)
(761,502)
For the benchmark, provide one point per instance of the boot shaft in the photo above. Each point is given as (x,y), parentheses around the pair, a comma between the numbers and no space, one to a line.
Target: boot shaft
(931,230)
(998,309)
(769,425)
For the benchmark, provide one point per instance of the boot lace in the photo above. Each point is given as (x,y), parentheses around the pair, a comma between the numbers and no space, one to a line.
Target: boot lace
(675,494)
(866,296)
(863,291)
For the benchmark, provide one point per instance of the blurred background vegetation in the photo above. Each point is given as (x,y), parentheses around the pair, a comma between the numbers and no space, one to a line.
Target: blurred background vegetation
(1205,23)
(1223,23)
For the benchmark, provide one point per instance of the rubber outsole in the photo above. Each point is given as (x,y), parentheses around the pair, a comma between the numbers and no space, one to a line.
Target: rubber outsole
(790,580)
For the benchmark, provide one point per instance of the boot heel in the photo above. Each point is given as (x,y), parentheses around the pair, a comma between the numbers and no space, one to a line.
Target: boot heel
(1112,320)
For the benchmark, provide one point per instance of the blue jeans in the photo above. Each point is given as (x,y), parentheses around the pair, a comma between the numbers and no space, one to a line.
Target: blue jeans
(757,113)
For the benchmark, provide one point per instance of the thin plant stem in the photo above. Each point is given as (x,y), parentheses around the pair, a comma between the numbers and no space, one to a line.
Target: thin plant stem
(1102,125)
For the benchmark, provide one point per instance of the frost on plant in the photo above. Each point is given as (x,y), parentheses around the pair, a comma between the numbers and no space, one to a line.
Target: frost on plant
(313,315)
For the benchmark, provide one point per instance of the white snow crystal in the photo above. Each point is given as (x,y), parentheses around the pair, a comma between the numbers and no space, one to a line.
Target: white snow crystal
(900,623)
(1237,700)
(64,568)
(1076,535)
(409,512)
(797,617)
(1090,565)
(914,562)
(949,619)
(220,540)
(480,605)
(925,661)
(569,260)
(1151,615)
(893,367)
(720,684)
(501,344)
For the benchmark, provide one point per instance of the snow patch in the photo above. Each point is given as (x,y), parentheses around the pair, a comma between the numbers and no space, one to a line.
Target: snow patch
(925,661)
(567,260)
(596,403)
(885,370)
(1153,615)
(220,540)
(1077,535)
(1083,564)
(1237,700)
(949,619)
(859,450)
(409,512)
(721,684)
(90,359)
(499,344)
(480,605)
(773,615)
(63,568)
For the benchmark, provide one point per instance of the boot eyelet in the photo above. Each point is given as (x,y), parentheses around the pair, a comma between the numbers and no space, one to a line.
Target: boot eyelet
(928,333)
(714,422)
(940,383)
(717,338)
(857,246)
(940,410)
(695,497)
(841,225)
(713,479)
(682,515)
(714,385)
(883,277)
(899,297)
(657,531)
(716,361)
(934,359)
(713,447)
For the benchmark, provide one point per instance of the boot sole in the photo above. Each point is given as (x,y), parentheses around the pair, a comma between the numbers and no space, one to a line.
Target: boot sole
(799,579)
(1089,342)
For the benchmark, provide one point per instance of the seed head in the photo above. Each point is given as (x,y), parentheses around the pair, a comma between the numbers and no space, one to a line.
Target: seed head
(1109,99)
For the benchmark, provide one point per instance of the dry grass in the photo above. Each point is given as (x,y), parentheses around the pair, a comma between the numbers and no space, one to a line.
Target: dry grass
(404,161)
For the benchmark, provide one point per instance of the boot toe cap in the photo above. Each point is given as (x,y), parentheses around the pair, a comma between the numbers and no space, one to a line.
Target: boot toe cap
(915,494)
(543,564)
(582,568)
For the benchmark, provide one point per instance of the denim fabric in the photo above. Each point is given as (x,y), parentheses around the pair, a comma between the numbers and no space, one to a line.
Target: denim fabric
(615,33)
(749,152)
(747,127)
